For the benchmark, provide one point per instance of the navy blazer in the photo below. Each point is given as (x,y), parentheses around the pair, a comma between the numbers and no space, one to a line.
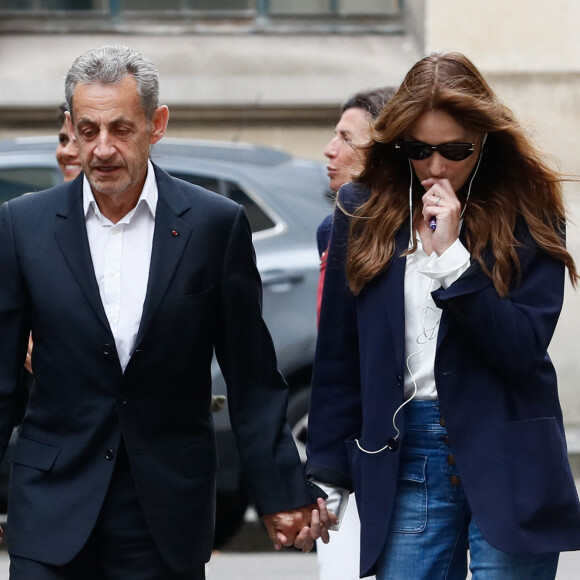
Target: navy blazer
(204,293)
(496,385)
(323,234)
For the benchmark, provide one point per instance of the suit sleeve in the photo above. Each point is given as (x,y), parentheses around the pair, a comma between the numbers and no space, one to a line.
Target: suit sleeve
(257,392)
(335,405)
(14,330)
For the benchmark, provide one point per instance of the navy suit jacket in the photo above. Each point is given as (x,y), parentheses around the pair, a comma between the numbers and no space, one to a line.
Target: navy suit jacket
(496,385)
(204,293)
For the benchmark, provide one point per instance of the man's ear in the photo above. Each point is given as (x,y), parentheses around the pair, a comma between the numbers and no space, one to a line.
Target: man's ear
(70,127)
(159,121)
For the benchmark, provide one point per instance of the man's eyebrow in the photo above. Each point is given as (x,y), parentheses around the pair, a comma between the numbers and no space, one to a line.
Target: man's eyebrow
(84,121)
(122,121)
(111,123)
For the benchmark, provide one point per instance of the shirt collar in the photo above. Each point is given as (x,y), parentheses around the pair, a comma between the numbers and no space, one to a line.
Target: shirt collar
(148,197)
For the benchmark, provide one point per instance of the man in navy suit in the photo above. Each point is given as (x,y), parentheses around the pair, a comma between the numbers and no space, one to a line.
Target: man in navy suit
(129,280)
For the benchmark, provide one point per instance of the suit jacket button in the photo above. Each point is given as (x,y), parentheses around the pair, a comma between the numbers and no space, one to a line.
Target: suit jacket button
(451,460)
(442,422)
(454,480)
(109,455)
(122,400)
(107,349)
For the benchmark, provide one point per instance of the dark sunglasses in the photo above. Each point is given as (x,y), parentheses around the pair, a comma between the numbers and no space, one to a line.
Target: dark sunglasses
(452,151)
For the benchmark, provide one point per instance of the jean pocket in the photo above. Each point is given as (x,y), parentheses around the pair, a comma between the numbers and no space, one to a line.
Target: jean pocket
(410,506)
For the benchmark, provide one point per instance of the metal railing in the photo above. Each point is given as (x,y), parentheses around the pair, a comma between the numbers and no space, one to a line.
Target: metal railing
(259,9)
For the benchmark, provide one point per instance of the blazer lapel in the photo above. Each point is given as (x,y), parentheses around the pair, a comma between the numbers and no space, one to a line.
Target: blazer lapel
(392,288)
(71,236)
(170,238)
(446,321)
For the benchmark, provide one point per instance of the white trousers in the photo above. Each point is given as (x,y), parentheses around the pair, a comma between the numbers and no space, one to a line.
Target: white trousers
(340,558)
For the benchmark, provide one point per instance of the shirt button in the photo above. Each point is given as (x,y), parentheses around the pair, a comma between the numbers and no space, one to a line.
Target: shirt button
(109,455)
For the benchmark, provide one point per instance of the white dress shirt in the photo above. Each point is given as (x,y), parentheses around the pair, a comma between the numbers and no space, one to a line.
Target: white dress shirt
(121,255)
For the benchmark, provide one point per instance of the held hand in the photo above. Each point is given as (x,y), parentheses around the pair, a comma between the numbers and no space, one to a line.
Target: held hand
(300,527)
(28,361)
(441,203)
(283,527)
(1,534)
(321,521)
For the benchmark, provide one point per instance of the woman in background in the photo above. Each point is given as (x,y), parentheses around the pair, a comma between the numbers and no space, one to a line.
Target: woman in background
(67,153)
(339,558)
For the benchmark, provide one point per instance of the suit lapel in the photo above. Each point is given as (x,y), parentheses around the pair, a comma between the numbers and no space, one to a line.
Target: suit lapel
(169,240)
(71,236)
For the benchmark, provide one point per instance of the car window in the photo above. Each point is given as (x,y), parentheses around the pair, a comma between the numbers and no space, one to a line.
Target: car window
(210,183)
(259,219)
(15,181)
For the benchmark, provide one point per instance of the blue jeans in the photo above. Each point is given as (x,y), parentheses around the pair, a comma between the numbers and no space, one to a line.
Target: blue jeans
(431,528)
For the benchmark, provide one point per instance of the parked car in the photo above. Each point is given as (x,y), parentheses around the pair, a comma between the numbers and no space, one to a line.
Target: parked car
(285,199)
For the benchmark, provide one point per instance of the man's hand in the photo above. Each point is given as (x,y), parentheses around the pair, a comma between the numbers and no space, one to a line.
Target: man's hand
(28,361)
(1,534)
(300,527)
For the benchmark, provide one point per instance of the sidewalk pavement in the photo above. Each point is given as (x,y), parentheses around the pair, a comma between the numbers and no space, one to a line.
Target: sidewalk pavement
(294,566)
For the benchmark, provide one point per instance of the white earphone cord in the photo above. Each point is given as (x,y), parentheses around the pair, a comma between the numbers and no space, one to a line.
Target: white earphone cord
(427,335)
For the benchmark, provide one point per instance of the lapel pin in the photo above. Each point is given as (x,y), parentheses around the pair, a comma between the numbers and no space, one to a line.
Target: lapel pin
(174,233)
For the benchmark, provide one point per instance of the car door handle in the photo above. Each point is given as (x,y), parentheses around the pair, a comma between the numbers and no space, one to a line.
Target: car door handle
(279,281)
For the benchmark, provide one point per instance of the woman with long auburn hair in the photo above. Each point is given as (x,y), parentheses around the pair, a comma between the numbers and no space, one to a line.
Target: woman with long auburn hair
(433,397)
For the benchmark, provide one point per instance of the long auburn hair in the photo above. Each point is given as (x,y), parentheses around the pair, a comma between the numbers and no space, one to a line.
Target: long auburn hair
(513,181)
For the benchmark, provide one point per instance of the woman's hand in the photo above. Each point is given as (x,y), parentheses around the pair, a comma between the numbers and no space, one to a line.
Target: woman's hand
(300,527)
(321,521)
(440,204)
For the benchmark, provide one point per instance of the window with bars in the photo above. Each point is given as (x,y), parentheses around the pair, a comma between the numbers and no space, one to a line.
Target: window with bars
(224,8)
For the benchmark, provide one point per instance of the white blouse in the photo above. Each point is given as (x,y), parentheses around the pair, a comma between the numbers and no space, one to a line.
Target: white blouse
(423,275)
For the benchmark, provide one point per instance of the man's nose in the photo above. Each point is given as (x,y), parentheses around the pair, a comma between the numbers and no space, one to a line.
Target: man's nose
(104,147)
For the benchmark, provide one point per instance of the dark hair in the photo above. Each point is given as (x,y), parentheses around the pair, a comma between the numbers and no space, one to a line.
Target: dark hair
(524,187)
(371,101)
(62,109)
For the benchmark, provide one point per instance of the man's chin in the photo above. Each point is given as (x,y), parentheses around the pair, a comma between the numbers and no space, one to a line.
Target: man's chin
(111,188)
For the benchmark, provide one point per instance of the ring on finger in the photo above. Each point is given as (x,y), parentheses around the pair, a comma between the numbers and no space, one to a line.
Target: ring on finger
(438,200)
